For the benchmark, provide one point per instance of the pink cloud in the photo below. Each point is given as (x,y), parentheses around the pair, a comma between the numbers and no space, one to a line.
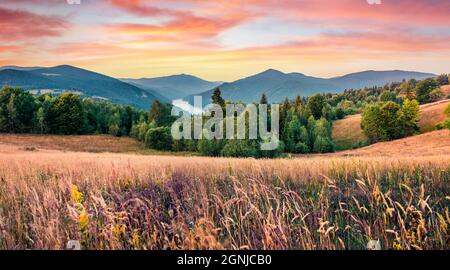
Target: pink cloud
(17,25)
(183,24)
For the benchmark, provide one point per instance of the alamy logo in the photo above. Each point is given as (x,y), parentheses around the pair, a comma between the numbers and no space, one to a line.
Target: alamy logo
(374,2)
(240,123)
(74,2)
(73,245)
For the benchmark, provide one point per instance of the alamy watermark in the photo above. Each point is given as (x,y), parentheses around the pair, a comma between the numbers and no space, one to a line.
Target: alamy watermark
(73,245)
(240,122)
(374,2)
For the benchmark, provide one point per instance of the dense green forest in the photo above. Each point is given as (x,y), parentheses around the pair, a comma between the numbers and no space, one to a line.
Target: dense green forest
(389,112)
(22,112)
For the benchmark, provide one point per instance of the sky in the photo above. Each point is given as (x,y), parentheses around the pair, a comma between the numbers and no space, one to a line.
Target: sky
(224,40)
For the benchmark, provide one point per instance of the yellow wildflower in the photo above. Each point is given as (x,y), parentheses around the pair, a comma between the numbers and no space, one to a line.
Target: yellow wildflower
(396,245)
(77,196)
(83,220)
(136,241)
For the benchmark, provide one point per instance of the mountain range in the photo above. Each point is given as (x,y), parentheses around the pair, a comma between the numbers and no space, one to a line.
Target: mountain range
(141,92)
(175,86)
(278,85)
(68,78)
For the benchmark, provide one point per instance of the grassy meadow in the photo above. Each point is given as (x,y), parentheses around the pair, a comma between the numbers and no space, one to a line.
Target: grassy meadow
(130,201)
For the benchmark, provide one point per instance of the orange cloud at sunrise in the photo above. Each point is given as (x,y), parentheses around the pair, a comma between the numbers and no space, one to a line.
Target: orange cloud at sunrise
(226,39)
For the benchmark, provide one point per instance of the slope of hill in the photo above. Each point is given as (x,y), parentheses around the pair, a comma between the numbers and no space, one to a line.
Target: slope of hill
(25,79)
(278,85)
(428,144)
(347,132)
(174,87)
(432,114)
(69,78)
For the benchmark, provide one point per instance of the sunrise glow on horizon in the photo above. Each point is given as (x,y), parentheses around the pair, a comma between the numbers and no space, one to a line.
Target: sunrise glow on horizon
(224,40)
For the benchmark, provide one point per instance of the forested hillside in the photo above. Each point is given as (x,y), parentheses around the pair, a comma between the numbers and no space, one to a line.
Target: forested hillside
(306,124)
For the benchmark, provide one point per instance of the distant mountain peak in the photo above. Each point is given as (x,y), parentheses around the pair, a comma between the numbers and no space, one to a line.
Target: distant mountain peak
(66,66)
(187,75)
(272,71)
(69,67)
(182,76)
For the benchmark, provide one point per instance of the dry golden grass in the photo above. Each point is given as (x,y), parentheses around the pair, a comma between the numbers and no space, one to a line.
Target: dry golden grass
(125,201)
(397,192)
(87,143)
(84,143)
(432,114)
(427,144)
(347,132)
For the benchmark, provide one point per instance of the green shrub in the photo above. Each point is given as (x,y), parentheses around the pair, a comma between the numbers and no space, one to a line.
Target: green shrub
(388,96)
(301,148)
(436,94)
(424,88)
(339,113)
(444,125)
(240,148)
(323,145)
(114,130)
(191,145)
(360,144)
(179,145)
(278,152)
(159,138)
(210,147)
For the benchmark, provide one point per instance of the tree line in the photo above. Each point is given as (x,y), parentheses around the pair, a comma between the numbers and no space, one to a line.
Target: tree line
(353,101)
(66,114)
